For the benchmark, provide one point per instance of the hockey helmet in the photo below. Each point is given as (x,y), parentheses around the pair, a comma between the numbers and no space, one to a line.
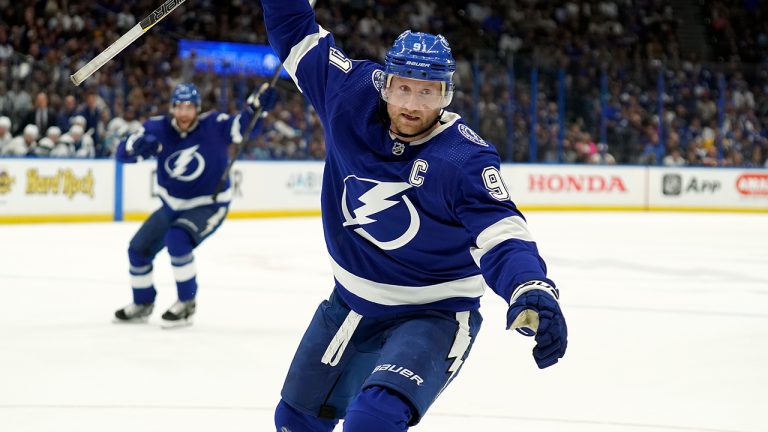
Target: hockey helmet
(31,131)
(186,92)
(53,131)
(420,56)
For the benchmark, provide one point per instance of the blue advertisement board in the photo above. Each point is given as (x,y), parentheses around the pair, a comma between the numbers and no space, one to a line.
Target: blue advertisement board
(228,58)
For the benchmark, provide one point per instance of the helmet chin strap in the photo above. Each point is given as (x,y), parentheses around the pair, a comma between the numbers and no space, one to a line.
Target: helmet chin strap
(426,128)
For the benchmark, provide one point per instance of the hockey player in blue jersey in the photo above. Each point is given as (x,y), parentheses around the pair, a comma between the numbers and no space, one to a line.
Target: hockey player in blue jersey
(192,151)
(417,222)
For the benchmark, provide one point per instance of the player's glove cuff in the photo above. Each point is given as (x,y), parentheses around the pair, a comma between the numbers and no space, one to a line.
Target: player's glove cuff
(533,285)
(525,318)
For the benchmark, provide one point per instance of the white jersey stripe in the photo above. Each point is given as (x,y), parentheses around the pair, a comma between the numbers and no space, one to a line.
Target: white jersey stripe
(291,63)
(393,295)
(178,204)
(513,227)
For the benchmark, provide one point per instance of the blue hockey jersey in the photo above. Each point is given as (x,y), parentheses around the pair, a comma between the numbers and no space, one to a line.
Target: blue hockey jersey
(191,163)
(425,224)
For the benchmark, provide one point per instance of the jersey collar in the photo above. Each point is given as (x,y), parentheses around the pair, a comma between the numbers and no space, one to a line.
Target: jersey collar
(448,117)
(188,131)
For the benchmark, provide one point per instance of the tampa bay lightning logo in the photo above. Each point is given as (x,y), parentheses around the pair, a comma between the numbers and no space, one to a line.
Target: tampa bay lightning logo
(186,164)
(385,209)
(472,135)
(378,79)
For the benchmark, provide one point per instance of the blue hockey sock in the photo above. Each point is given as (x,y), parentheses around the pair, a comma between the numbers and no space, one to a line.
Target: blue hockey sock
(377,409)
(289,419)
(141,277)
(180,246)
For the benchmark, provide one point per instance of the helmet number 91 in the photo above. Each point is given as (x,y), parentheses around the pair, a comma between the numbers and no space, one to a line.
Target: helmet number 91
(494,183)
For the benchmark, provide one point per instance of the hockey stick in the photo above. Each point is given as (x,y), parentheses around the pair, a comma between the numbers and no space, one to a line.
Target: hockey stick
(248,130)
(131,35)
(246,135)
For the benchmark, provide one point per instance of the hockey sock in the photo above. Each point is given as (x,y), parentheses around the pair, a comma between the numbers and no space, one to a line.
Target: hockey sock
(141,278)
(288,419)
(180,246)
(377,409)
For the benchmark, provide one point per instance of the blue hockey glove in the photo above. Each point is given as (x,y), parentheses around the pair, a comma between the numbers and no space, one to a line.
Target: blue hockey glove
(534,311)
(265,97)
(145,146)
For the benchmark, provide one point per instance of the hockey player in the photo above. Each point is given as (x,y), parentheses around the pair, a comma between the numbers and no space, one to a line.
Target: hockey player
(192,154)
(417,222)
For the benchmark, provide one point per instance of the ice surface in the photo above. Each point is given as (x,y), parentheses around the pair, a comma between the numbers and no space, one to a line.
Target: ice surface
(667,313)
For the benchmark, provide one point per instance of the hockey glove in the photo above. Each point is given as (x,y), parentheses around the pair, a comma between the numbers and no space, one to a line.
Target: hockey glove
(265,98)
(534,311)
(145,146)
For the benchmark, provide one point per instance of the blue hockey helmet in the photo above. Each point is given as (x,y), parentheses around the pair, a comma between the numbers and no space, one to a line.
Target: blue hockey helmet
(420,56)
(185,92)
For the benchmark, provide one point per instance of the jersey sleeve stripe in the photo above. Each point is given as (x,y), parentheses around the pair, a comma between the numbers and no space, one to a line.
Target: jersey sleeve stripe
(393,295)
(513,227)
(291,63)
(234,132)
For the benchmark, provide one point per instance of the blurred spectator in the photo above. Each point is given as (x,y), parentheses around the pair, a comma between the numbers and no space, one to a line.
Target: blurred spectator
(613,56)
(92,113)
(63,120)
(42,148)
(601,156)
(41,116)
(82,143)
(20,145)
(674,158)
(6,103)
(5,132)
(63,147)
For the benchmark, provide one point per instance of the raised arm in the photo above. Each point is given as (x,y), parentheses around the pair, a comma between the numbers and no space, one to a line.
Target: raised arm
(307,50)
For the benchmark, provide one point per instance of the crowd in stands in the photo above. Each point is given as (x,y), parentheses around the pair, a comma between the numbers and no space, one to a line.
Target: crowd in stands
(608,58)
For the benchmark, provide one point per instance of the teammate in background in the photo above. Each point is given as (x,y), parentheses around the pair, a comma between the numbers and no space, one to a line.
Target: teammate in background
(417,221)
(192,154)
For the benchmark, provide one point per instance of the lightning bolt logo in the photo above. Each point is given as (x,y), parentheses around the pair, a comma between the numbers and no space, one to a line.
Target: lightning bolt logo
(181,160)
(377,200)
(460,346)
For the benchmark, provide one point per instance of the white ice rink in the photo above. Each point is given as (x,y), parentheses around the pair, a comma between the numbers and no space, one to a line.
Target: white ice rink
(667,313)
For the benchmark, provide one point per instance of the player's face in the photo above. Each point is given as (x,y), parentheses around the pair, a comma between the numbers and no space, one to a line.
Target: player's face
(185,114)
(413,106)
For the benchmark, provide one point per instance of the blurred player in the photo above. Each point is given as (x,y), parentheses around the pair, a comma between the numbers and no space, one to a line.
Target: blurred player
(417,221)
(192,154)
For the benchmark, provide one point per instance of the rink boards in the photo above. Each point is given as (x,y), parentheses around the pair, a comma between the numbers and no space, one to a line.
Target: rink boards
(47,190)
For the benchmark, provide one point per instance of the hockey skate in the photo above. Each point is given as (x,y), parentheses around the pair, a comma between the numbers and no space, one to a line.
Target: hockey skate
(179,314)
(134,313)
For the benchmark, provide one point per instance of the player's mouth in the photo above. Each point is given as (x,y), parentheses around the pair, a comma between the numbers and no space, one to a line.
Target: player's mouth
(409,117)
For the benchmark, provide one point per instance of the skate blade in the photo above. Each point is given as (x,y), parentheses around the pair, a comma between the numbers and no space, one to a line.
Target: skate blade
(169,325)
(142,320)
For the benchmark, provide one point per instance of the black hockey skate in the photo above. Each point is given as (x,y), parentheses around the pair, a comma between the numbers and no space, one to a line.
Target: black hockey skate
(179,314)
(134,313)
